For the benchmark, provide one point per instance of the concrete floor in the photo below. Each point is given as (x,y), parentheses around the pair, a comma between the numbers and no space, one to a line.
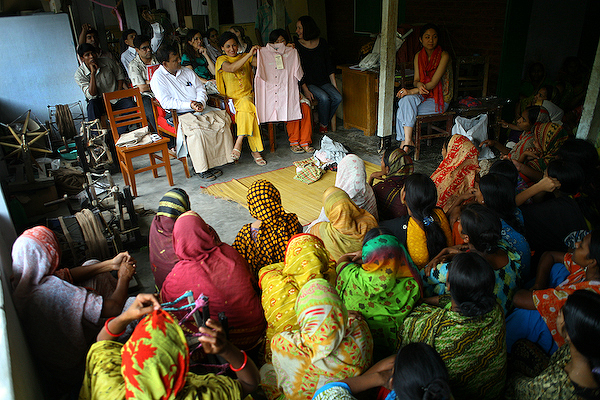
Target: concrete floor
(227,217)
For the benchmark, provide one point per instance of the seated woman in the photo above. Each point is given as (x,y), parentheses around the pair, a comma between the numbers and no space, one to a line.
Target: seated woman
(466,329)
(544,98)
(60,319)
(396,165)
(299,131)
(425,230)
(244,41)
(383,285)
(480,230)
(213,268)
(548,222)
(234,79)
(331,344)
(574,370)
(559,274)
(347,224)
(319,70)
(196,58)
(457,172)
(432,83)
(264,241)
(160,237)
(154,362)
(305,258)
(351,177)
(417,372)
(530,116)
(211,42)
(498,194)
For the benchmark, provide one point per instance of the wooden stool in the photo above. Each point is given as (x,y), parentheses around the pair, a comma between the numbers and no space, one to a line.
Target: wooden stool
(448,116)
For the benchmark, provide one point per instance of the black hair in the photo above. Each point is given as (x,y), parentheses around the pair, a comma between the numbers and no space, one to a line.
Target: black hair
(595,246)
(84,48)
(420,373)
(507,169)
(483,227)
(472,282)
(140,40)
(242,32)
(421,197)
(92,31)
(569,174)
(533,112)
(273,36)
(377,231)
(164,52)
(580,151)
(209,30)
(499,196)
(582,322)
(124,35)
(549,91)
(428,26)
(447,142)
(310,30)
(227,36)
(187,47)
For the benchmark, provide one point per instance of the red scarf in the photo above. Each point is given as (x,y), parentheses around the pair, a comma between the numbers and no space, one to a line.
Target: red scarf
(427,69)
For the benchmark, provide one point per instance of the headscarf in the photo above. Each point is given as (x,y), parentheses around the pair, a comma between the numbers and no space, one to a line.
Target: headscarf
(213,268)
(384,288)
(348,225)
(155,359)
(457,171)
(543,141)
(399,163)
(427,69)
(162,256)
(277,227)
(328,346)
(67,314)
(305,258)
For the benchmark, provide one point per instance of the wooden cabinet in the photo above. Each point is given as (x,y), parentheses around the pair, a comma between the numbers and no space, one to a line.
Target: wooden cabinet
(360,96)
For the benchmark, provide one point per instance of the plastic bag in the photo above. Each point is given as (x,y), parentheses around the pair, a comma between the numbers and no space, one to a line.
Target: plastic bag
(476,130)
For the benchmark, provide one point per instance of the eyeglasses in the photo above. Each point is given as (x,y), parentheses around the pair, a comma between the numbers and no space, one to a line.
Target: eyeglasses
(144,48)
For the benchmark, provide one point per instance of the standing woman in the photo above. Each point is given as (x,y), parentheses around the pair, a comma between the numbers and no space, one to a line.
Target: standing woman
(195,56)
(432,90)
(245,43)
(234,79)
(319,70)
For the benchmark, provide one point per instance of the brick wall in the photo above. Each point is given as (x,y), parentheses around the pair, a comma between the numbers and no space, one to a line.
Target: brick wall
(473,26)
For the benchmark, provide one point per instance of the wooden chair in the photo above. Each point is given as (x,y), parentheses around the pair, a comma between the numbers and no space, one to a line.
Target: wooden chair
(429,119)
(129,116)
(165,129)
(471,76)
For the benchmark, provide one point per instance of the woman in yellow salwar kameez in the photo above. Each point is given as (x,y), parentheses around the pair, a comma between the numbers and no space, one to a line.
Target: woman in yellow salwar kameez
(234,79)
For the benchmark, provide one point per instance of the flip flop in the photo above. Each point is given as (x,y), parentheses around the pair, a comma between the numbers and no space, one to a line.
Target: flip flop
(216,172)
(207,176)
(411,149)
(308,149)
(296,149)
(235,154)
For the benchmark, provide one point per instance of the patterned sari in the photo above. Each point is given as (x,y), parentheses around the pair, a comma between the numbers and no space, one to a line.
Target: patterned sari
(153,364)
(328,347)
(543,141)
(349,224)
(457,171)
(213,268)
(305,258)
(384,288)
(473,348)
(387,193)
(268,245)
(162,256)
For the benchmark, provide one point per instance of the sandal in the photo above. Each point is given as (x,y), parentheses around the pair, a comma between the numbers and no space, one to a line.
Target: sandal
(260,161)
(296,149)
(308,148)
(216,172)
(411,149)
(207,176)
(235,154)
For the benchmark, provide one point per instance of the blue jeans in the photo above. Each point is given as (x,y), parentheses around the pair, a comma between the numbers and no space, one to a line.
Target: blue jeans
(409,107)
(329,100)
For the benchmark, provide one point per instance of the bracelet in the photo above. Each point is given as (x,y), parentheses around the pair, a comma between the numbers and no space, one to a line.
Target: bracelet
(243,365)
(108,330)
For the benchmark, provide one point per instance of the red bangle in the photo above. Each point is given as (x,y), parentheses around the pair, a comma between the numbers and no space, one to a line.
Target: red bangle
(243,365)
(108,330)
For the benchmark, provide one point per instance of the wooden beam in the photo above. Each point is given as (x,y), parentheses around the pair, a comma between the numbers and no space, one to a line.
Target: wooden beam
(279,14)
(213,14)
(387,67)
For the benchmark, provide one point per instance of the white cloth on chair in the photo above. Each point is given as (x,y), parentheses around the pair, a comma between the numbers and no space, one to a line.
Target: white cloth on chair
(208,137)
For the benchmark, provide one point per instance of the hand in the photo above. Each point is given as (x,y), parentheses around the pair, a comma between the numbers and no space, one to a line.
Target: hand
(118,259)
(308,94)
(292,45)
(488,143)
(85,27)
(401,93)
(355,315)
(254,49)
(197,106)
(126,269)
(148,16)
(202,50)
(384,369)
(214,340)
(548,184)
(94,67)
(527,156)
(377,175)
(423,89)
(143,304)
(502,123)
(356,256)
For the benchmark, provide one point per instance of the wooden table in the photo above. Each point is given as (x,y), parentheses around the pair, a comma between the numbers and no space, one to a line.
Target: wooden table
(360,96)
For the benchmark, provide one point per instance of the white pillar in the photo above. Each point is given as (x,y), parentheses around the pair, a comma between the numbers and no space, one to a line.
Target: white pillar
(387,67)
(213,14)
(589,124)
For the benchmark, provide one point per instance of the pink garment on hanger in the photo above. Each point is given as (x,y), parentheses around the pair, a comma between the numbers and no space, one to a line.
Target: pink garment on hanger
(276,91)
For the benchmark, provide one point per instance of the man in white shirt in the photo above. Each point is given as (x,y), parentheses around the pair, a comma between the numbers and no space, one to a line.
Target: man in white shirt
(180,88)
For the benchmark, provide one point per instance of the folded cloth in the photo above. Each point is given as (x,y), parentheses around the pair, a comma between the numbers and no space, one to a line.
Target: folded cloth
(135,138)
(308,170)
